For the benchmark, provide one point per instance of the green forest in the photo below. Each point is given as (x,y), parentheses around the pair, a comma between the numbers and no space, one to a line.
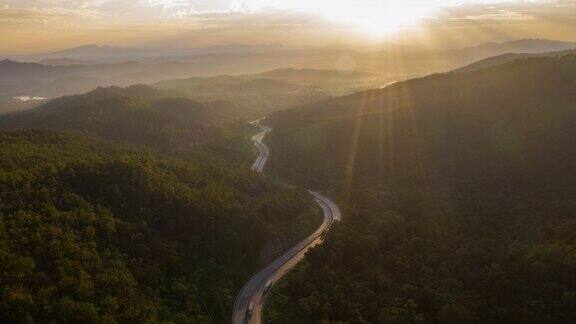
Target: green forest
(458,199)
(140,115)
(137,205)
(93,231)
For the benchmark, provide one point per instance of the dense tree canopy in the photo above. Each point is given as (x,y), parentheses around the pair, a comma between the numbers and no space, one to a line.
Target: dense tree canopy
(458,192)
(95,232)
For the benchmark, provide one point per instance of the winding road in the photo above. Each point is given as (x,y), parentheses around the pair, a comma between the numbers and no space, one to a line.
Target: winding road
(250,300)
(263,150)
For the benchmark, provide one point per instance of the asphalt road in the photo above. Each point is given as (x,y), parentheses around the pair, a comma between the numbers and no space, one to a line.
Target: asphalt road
(256,289)
(263,150)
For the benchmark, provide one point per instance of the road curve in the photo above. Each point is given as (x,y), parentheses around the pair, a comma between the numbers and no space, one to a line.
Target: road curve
(263,151)
(256,289)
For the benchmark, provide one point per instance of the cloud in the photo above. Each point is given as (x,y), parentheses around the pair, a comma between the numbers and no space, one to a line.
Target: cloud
(211,22)
(507,13)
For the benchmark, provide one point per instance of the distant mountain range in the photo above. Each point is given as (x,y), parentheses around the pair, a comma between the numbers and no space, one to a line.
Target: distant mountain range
(298,57)
(408,63)
(77,70)
(505,58)
(273,90)
(488,49)
(94,51)
(115,54)
(280,80)
(522,46)
(17,78)
(68,61)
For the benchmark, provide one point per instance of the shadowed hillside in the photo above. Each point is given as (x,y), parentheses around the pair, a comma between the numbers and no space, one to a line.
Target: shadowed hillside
(458,191)
(137,114)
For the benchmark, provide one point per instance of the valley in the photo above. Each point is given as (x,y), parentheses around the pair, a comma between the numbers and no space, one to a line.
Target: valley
(287,162)
(250,301)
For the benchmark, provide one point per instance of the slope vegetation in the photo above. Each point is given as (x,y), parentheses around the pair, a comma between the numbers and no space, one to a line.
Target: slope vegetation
(459,199)
(95,232)
(137,114)
(273,90)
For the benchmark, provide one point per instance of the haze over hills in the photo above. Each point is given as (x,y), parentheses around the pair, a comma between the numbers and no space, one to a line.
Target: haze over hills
(255,91)
(13,71)
(520,46)
(41,80)
(98,51)
(299,57)
(67,61)
(501,59)
(115,54)
(82,73)
(244,59)
(457,189)
(273,90)
(316,77)
(105,52)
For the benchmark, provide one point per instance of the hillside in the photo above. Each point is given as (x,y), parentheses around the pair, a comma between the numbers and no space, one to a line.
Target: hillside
(17,78)
(402,64)
(458,194)
(94,232)
(533,46)
(510,57)
(229,84)
(315,77)
(137,114)
(257,93)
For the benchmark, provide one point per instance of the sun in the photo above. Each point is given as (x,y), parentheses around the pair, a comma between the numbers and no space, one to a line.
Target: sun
(371,16)
(378,17)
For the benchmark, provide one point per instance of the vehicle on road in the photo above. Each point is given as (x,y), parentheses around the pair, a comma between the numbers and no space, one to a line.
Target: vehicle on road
(250,300)
(249,311)
(268,287)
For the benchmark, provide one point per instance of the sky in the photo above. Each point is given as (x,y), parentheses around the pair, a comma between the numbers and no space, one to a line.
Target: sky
(33,26)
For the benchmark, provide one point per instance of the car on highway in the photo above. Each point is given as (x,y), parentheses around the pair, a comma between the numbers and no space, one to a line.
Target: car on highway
(249,311)
(267,288)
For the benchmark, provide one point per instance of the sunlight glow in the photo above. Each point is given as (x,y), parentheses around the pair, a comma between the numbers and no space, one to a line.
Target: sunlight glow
(377,17)
(373,16)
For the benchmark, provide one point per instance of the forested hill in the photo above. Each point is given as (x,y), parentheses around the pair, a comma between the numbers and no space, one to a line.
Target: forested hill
(501,115)
(458,192)
(95,232)
(137,114)
(510,57)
